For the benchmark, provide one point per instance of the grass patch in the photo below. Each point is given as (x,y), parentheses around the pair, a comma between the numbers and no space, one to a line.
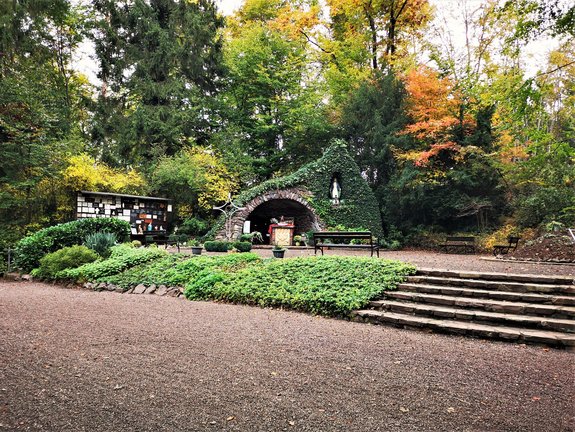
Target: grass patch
(178,269)
(332,286)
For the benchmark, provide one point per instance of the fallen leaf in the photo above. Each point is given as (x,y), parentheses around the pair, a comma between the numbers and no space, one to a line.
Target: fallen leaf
(403,409)
(118,387)
(274,373)
(230,418)
(291,423)
(535,398)
(450,410)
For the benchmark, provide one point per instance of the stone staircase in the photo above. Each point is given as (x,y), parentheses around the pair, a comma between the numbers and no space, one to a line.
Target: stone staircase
(522,308)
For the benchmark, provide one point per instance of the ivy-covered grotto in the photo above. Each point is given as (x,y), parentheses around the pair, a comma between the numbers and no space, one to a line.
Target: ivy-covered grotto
(329,192)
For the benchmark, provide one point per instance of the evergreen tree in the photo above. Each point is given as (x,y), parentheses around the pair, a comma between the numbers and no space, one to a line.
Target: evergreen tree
(159,63)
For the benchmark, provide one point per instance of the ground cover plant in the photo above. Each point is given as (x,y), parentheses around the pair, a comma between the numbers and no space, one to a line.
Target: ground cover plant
(122,257)
(178,269)
(332,286)
(65,258)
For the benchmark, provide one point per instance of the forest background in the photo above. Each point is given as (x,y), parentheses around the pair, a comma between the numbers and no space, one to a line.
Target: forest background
(449,127)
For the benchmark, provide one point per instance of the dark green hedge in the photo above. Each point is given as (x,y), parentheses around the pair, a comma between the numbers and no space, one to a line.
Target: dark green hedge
(358,207)
(31,249)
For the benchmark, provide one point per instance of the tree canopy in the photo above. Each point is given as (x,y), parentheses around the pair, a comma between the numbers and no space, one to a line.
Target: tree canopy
(450,123)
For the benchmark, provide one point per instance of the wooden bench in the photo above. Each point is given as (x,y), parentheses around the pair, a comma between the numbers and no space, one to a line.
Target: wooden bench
(512,243)
(162,239)
(461,244)
(332,239)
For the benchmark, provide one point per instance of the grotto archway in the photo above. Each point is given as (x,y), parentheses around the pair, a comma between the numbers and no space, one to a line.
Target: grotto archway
(290,203)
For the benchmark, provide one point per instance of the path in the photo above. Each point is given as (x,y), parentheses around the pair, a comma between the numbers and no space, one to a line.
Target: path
(76,360)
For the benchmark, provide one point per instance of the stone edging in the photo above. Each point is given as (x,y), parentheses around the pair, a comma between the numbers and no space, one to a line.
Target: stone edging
(160,290)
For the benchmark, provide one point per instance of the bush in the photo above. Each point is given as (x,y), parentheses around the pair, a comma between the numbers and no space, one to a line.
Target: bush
(243,246)
(65,258)
(136,243)
(30,249)
(100,242)
(121,258)
(194,227)
(323,285)
(217,246)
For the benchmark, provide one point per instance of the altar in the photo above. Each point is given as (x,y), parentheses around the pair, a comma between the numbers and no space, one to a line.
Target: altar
(281,233)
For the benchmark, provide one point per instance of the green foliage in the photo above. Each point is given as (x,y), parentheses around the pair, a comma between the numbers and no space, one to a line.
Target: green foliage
(194,227)
(328,285)
(242,246)
(101,242)
(122,257)
(545,205)
(177,269)
(273,102)
(65,258)
(167,56)
(217,246)
(30,249)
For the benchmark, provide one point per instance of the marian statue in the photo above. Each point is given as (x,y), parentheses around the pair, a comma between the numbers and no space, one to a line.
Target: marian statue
(335,191)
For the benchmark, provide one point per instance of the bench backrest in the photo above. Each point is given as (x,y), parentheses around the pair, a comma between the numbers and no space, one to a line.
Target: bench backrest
(460,239)
(342,235)
(513,241)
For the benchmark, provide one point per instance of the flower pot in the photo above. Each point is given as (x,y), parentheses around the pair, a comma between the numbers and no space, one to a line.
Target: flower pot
(197,250)
(278,253)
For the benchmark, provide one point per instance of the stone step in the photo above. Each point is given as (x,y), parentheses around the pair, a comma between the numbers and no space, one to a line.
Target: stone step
(461,314)
(468,328)
(496,285)
(485,304)
(508,277)
(495,295)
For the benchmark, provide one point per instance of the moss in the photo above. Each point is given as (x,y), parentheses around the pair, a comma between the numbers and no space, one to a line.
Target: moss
(358,205)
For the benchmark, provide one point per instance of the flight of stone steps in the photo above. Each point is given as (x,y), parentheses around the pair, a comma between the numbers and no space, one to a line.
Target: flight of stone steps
(521,308)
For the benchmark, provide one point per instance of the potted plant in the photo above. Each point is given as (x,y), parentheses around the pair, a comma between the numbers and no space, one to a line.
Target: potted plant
(196,247)
(297,240)
(278,251)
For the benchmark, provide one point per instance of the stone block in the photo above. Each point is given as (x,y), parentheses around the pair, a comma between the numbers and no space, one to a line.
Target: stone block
(139,289)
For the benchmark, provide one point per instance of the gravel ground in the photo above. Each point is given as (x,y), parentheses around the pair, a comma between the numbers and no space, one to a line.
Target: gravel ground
(75,360)
(425,259)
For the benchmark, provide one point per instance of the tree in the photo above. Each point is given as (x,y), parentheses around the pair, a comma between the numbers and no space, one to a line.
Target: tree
(370,122)
(41,106)
(160,62)
(195,178)
(273,101)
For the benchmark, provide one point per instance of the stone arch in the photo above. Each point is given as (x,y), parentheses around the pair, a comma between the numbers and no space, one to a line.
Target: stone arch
(285,202)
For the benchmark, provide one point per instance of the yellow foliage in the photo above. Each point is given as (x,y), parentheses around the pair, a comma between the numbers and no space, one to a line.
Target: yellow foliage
(85,173)
(217,181)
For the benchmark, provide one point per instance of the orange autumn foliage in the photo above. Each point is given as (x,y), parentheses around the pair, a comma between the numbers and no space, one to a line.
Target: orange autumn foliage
(433,104)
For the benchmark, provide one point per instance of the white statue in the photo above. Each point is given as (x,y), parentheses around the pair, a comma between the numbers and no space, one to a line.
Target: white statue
(335,191)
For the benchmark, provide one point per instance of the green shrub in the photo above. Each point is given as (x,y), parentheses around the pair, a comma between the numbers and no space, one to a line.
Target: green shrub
(194,227)
(101,243)
(136,243)
(242,246)
(121,258)
(30,249)
(65,258)
(322,285)
(178,269)
(217,246)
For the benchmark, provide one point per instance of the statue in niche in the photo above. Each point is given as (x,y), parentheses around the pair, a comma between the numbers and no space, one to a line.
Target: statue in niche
(335,191)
